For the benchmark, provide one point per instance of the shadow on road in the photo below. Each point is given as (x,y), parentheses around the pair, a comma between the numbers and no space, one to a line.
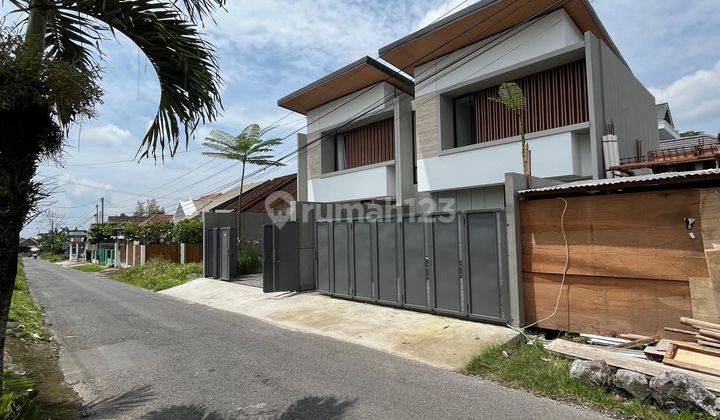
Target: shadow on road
(121,402)
(182,412)
(304,408)
(317,408)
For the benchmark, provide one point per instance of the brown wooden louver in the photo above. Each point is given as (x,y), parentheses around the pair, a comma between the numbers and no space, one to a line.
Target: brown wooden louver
(372,143)
(554,98)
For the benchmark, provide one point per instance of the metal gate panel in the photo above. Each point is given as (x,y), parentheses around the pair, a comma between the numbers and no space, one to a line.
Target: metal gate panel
(323,257)
(445,266)
(224,254)
(387,277)
(341,261)
(484,268)
(286,271)
(415,287)
(209,257)
(362,257)
(268,258)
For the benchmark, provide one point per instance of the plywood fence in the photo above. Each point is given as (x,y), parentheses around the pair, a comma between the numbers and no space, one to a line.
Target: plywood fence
(169,252)
(193,253)
(631,261)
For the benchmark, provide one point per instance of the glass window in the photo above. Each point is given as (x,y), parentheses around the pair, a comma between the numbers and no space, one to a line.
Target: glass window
(464,120)
(340,162)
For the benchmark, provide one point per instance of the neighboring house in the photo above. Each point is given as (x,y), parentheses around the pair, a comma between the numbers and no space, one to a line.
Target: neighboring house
(674,152)
(376,136)
(189,209)
(222,199)
(29,243)
(124,218)
(666,126)
(253,201)
(157,218)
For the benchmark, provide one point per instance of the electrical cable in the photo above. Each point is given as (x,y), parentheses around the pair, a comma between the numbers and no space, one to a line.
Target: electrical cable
(565,269)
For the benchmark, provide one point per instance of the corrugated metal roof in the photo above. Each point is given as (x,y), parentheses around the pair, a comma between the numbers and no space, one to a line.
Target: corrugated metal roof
(627,181)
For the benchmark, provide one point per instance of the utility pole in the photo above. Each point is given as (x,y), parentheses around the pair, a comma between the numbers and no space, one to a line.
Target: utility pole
(97,214)
(102,209)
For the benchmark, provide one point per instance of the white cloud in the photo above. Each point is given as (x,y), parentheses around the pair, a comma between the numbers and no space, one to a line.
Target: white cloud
(447,8)
(106,135)
(81,187)
(694,100)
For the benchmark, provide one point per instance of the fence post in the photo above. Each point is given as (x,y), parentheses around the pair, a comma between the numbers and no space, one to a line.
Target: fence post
(142,254)
(182,253)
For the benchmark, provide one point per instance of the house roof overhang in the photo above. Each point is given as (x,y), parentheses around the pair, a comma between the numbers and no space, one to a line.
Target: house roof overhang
(358,75)
(483,20)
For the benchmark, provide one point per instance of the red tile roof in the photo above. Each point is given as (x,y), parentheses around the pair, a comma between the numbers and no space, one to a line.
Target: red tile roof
(253,200)
(158,218)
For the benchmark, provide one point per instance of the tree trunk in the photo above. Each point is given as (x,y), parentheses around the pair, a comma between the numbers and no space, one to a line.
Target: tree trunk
(239,204)
(9,242)
(37,26)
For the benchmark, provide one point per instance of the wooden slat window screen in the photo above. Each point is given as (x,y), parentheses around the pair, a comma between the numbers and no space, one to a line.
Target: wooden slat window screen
(554,98)
(372,143)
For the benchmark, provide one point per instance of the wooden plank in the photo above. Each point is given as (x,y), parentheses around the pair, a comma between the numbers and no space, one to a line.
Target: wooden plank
(708,292)
(646,367)
(708,344)
(606,306)
(697,323)
(639,235)
(639,342)
(633,336)
(710,333)
(703,298)
(693,357)
(680,331)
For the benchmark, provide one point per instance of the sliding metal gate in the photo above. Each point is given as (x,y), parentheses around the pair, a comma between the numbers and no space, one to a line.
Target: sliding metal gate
(448,265)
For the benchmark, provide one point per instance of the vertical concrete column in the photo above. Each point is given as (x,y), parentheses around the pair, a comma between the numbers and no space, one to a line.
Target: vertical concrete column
(404,157)
(116,249)
(513,183)
(182,253)
(302,167)
(142,254)
(593,68)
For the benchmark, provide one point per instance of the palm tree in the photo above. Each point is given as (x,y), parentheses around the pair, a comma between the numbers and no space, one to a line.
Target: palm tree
(50,79)
(248,147)
(510,95)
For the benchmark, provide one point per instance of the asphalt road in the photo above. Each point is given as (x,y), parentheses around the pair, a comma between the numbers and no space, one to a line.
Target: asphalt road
(132,353)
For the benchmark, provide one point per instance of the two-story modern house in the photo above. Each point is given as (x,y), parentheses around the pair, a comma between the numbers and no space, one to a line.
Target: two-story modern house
(376,135)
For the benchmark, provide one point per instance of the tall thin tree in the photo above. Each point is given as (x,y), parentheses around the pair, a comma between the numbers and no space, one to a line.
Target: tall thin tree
(511,96)
(248,147)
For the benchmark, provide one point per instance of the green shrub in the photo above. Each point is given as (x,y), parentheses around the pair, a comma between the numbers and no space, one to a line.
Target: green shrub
(188,231)
(249,261)
(159,274)
(25,318)
(18,399)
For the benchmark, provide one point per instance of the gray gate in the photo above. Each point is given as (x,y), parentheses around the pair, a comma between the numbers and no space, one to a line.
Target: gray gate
(447,265)
(282,249)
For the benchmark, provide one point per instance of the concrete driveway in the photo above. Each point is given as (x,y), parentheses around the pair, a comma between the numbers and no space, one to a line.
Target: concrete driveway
(132,353)
(436,340)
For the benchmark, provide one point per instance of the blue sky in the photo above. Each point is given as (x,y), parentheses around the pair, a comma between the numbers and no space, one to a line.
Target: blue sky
(270,48)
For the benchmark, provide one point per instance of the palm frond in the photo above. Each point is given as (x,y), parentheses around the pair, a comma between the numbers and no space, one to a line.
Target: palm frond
(510,95)
(185,64)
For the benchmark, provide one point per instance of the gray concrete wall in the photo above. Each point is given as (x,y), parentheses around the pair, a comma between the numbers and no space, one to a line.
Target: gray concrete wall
(616,96)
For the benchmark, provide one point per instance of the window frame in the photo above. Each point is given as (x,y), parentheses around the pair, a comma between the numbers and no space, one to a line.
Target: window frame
(473,119)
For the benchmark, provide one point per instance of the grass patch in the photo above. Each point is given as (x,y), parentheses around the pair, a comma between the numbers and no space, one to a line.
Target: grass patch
(159,274)
(534,369)
(53,258)
(25,320)
(90,268)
